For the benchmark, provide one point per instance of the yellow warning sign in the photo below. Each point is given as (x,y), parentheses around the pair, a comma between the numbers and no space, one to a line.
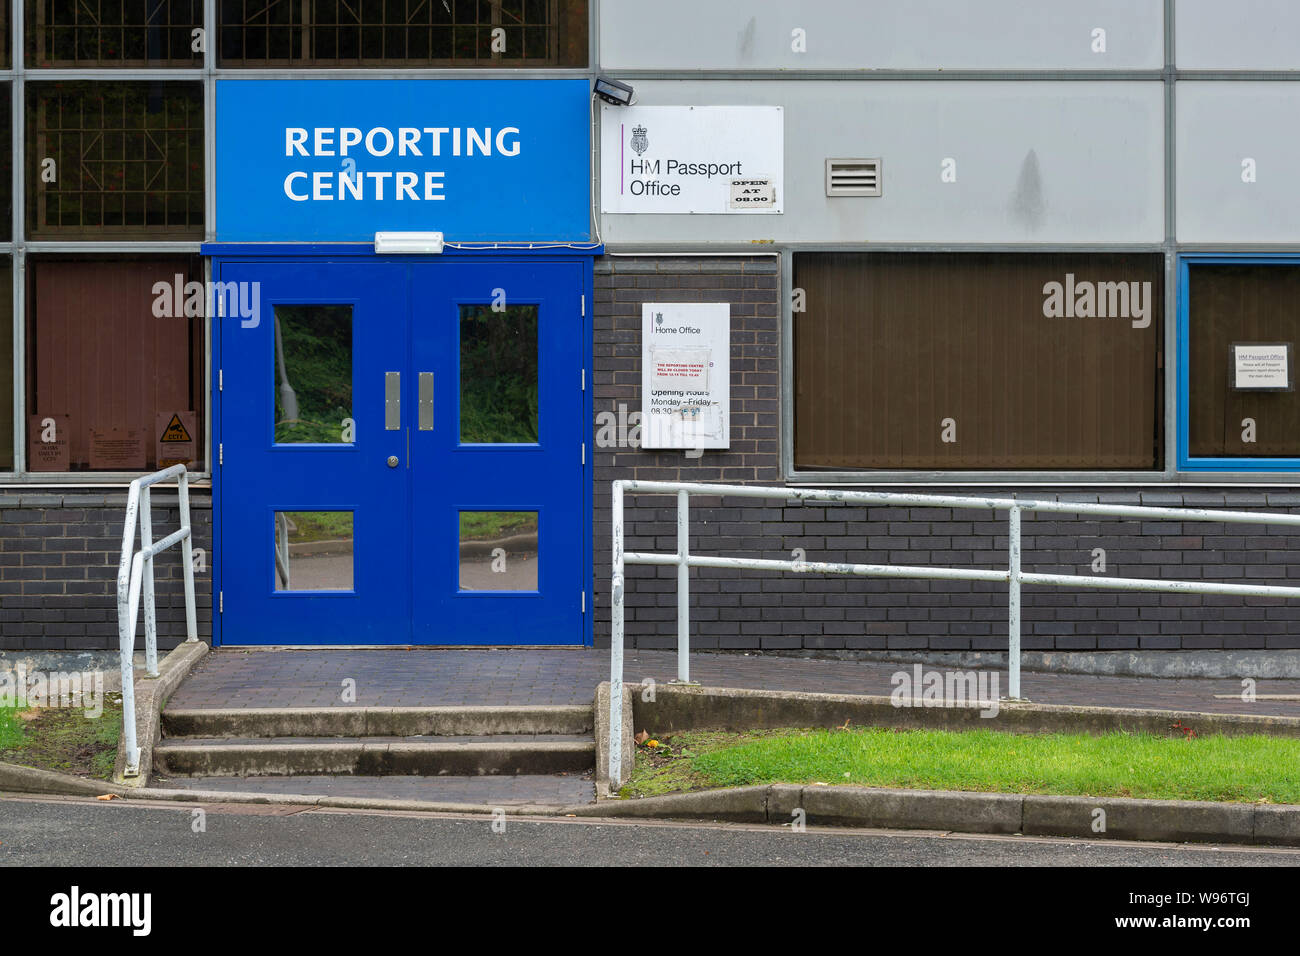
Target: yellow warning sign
(176,445)
(175,431)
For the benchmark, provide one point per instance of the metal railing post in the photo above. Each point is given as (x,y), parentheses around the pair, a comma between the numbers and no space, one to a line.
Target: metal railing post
(126,633)
(683,588)
(1013,602)
(150,610)
(616,644)
(187,557)
(135,573)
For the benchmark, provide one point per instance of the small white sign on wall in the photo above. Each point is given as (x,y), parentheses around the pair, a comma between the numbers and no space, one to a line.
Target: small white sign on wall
(685,375)
(726,160)
(1261,367)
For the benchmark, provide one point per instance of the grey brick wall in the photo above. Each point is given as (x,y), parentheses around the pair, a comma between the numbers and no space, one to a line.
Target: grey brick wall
(764,611)
(59,553)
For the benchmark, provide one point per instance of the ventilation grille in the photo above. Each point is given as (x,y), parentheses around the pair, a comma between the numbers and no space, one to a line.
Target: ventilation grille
(853,177)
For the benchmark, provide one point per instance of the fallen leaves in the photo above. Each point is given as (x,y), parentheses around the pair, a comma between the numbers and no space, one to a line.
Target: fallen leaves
(108,796)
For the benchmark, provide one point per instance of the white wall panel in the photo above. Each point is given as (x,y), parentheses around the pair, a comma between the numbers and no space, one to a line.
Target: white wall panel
(1237,35)
(881,34)
(1051,162)
(1221,126)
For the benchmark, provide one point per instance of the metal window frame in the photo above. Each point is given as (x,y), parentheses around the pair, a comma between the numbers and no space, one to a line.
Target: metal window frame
(966,477)
(1169,475)
(1224,463)
(439,67)
(16,76)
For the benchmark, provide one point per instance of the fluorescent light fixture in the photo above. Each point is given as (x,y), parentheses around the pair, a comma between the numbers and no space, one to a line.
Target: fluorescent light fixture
(410,243)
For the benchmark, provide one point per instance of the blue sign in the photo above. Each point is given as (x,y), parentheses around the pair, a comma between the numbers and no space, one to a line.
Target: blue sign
(339,160)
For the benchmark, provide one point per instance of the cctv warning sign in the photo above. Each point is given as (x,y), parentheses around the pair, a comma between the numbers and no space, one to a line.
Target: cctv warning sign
(176,445)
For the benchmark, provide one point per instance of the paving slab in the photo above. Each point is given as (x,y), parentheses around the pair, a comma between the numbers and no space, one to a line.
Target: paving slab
(419,677)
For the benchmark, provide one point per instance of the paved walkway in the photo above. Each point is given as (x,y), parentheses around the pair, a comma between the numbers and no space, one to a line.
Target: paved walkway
(410,678)
(505,791)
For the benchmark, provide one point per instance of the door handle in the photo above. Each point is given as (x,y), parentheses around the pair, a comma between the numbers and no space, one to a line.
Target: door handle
(426,401)
(392,401)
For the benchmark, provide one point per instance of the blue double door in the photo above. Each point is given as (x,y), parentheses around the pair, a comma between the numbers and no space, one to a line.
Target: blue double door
(401,451)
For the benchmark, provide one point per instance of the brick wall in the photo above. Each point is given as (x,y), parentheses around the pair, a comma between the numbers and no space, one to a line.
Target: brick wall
(59,553)
(765,611)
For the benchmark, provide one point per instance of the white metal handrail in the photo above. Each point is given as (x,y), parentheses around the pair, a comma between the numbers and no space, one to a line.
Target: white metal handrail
(134,573)
(1013,575)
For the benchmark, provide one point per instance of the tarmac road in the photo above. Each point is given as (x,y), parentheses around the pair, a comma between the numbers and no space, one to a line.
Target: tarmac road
(80,832)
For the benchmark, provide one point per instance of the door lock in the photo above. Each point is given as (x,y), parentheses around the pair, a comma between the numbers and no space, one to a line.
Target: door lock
(392,461)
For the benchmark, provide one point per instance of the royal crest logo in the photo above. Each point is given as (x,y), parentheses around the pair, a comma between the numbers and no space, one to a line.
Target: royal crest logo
(639,142)
(659,318)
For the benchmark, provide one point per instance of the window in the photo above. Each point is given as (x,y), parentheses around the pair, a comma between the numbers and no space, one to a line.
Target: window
(498,551)
(978,361)
(1234,309)
(110,362)
(498,374)
(73,34)
(312,374)
(313,550)
(421,33)
(115,160)
(6,366)
(6,164)
(4,34)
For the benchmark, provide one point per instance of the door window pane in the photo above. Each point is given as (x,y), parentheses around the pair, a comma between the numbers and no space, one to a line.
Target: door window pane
(498,374)
(113,354)
(115,160)
(312,374)
(498,550)
(313,550)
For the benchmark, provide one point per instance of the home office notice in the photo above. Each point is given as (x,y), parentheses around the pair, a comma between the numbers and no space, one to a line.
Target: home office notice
(685,375)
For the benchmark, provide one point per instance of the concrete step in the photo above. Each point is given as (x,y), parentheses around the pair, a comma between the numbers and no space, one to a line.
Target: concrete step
(352,721)
(456,755)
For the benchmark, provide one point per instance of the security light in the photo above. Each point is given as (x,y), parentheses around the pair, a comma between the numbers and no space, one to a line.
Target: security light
(612,91)
(410,243)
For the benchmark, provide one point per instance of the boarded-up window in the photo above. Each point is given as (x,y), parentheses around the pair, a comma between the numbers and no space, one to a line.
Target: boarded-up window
(99,358)
(978,361)
(1227,305)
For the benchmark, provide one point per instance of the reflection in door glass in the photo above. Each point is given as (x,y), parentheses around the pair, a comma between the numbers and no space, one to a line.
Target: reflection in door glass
(313,550)
(498,550)
(498,374)
(313,374)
